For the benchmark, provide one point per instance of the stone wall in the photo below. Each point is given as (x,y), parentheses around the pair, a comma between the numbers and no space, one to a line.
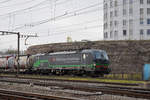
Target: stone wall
(125,56)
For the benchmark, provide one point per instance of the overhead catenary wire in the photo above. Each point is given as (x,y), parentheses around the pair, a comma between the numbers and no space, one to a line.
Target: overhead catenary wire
(91,21)
(57,33)
(78,26)
(12,14)
(57,17)
(34,9)
(45,7)
(63,16)
(74,30)
(101,3)
(14,40)
(82,28)
(81,9)
(31,8)
(82,23)
(17,11)
(20,3)
(21,10)
(51,35)
(5,1)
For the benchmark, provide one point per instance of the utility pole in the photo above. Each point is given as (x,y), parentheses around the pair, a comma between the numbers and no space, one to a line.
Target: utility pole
(18,44)
(18,56)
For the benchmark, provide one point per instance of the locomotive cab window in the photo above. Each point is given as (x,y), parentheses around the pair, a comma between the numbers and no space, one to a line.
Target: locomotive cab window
(100,55)
(105,55)
(97,55)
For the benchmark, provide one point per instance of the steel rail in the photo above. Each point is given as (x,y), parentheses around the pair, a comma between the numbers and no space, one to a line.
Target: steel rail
(16,95)
(124,91)
(82,81)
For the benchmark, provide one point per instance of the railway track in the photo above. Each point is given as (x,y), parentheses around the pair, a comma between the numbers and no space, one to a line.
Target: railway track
(16,95)
(82,81)
(83,86)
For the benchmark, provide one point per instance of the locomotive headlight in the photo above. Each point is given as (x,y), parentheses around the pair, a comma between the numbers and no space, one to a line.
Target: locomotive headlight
(94,64)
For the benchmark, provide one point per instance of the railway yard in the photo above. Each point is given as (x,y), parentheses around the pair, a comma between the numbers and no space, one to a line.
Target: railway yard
(75,50)
(120,84)
(27,88)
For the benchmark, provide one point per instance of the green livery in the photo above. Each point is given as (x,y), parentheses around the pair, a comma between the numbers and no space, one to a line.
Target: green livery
(89,61)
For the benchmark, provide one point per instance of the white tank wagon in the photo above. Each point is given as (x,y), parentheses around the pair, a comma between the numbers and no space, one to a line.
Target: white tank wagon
(24,62)
(11,62)
(4,62)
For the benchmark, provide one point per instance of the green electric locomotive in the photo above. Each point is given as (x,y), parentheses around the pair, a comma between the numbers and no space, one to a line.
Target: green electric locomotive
(83,62)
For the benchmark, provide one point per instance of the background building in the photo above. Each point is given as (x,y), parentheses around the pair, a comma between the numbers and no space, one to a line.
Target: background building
(126,19)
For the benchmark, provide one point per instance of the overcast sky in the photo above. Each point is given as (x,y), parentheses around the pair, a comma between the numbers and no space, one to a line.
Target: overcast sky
(52,20)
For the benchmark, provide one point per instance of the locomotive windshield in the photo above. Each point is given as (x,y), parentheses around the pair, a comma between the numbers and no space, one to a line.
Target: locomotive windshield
(100,55)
